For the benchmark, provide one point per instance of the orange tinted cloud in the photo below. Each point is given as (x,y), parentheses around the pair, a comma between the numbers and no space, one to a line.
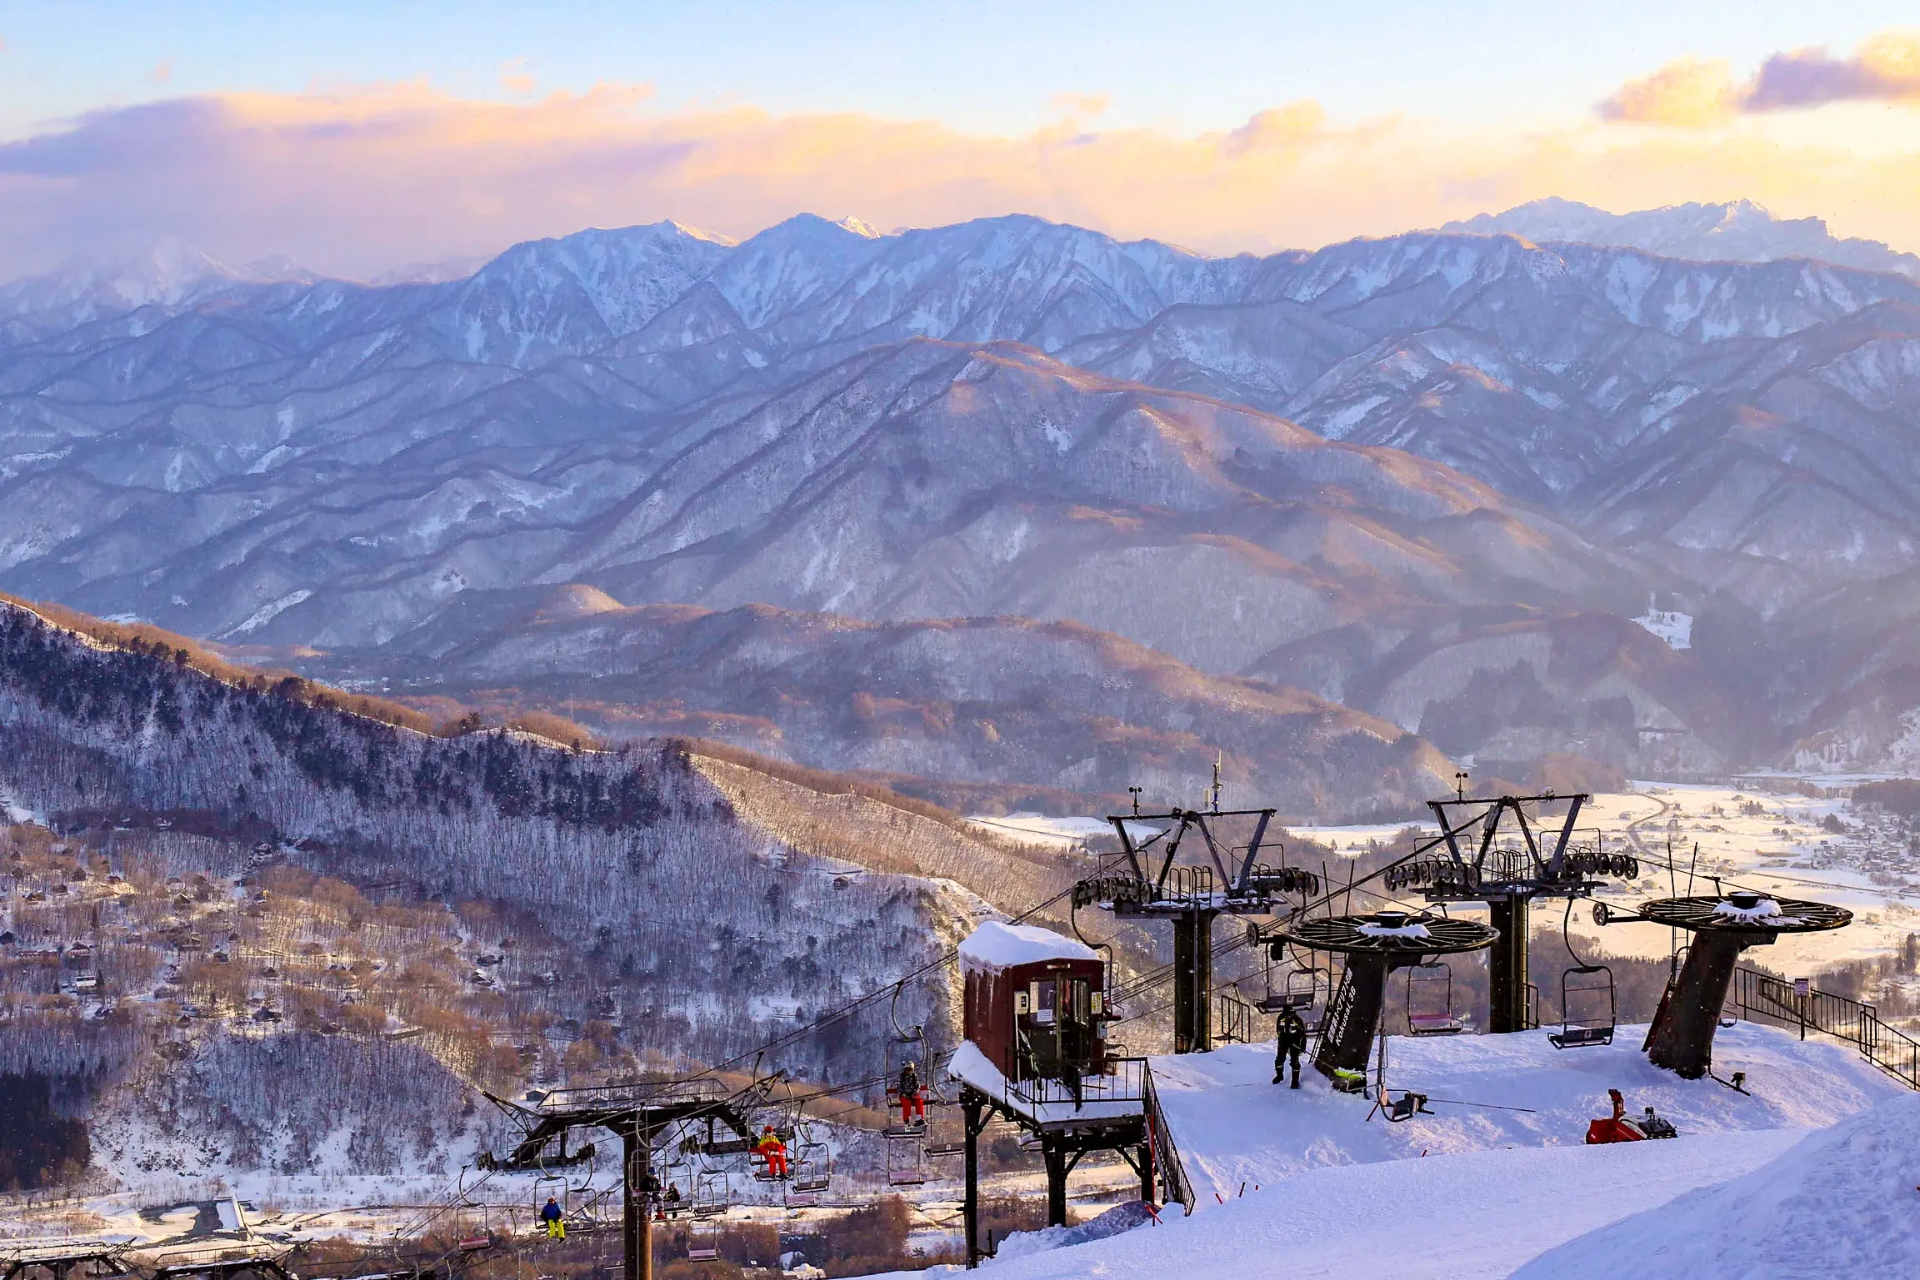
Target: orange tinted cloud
(355,182)
(1700,92)
(1690,92)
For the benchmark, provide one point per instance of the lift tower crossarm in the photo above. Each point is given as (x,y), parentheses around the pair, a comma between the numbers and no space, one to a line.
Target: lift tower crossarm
(1253,852)
(637,1114)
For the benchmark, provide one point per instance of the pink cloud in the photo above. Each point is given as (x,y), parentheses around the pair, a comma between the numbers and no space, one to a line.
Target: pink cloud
(1886,67)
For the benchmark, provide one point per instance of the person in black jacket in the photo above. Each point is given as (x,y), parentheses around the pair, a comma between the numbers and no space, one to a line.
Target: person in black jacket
(1291,1036)
(911,1103)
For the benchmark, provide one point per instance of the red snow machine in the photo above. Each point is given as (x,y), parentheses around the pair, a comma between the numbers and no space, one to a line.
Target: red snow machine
(1617,1128)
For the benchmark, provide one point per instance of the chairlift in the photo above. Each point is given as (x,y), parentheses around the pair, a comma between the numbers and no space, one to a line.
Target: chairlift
(546,1187)
(908,1045)
(1298,988)
(906,1164)
(703,1240)
(812,1173)
(1430,1000)
(712,1195)
(1588,986)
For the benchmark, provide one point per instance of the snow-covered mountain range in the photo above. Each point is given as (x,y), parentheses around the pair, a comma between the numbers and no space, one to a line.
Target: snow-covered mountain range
(1431,477)
(1737,231)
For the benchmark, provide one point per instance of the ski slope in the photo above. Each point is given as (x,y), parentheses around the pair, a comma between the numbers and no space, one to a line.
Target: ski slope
(1446,1217)
(1233,1126)
(1844,1202)
(1302,1184)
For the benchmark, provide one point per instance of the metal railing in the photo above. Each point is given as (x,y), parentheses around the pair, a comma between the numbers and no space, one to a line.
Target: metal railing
(1172,1174)
(1799,1004)
(1233,1019)
(1125,1081)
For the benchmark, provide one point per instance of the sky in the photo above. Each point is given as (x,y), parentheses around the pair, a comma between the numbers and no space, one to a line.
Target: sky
(355,137)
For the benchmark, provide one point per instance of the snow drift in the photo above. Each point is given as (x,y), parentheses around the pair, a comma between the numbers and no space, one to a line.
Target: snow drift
(1844,1202)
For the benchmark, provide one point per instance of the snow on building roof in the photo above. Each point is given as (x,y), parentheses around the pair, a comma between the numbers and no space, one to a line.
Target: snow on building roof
(995,946)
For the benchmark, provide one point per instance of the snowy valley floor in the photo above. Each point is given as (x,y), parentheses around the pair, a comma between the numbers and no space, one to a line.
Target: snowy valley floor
(1469,1191)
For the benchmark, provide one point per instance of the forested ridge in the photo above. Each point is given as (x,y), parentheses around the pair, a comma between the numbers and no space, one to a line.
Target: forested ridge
(262,879)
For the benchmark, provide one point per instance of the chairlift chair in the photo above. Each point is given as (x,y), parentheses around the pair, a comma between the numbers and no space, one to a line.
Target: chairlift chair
(712,1195)
(1430,1000)
(703,1240)
(906,1164)
(1586,984)
(909,1044)
(549,1186)
(812,1171)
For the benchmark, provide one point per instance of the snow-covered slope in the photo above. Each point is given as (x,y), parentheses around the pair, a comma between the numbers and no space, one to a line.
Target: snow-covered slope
(1302,1184)
(1839,1203)
(1232,1125)
(1472,1215)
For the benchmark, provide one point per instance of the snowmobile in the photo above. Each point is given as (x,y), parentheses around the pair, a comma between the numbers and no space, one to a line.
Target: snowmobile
(1618,1128)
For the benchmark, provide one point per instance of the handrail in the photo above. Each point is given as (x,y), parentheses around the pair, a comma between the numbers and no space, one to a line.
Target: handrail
(1799,1004)
(1123,1081)
(1233,1018)
(1166,1155)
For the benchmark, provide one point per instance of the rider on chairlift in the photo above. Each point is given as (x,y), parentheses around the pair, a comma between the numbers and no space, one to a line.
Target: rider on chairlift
(555,1219)
(774,1151)
(911,1103)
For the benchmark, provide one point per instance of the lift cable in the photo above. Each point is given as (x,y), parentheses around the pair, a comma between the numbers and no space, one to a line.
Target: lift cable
(854,1006)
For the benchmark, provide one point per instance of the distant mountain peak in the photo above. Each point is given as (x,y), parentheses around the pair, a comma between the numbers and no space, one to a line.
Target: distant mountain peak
(166,271)
(698,233)
(1734,231)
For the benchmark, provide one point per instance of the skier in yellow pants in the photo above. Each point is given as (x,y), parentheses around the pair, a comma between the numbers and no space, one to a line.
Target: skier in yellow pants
(555,1220)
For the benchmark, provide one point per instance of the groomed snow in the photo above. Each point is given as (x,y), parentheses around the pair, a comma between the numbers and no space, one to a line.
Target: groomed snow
(1301,1184)
(1446,1217)
(1843,1202)
(995,946)
(1232,1125)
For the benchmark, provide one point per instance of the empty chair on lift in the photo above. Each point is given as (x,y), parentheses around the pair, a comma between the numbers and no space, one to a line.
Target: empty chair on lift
(906,1164)
(812,1172)
(1589,1005)
(1299,990)
(1430,1000)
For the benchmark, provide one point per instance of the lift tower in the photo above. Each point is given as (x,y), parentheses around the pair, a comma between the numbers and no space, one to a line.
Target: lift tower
(1144,881)
(1373,947)
(1497,853)
(637,1114)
